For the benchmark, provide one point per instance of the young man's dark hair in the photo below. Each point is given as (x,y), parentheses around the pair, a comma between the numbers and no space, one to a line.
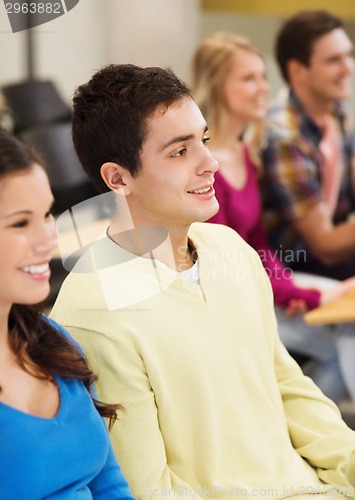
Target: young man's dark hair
(111,111)
(297,36)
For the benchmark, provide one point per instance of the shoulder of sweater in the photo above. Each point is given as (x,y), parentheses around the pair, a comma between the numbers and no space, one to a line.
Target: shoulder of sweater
(211,233)
(220,237)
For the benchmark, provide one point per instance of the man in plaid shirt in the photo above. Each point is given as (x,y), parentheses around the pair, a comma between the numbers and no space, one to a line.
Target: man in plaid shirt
(310,150)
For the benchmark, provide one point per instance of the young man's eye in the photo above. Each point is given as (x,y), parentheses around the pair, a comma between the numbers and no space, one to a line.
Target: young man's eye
(181,152)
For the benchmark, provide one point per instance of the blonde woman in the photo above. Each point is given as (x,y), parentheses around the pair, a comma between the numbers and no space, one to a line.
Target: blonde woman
(230,86)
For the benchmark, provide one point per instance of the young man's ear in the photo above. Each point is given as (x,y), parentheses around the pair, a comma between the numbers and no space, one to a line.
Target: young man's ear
(114,176)
(296,71)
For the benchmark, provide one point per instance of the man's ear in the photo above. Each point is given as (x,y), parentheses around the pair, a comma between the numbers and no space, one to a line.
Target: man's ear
(296,70)
(114,176)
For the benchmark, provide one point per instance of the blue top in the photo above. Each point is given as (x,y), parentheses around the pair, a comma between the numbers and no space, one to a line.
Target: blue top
(65,457)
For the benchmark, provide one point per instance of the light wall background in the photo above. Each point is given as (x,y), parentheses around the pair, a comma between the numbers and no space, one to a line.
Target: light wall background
(144,32)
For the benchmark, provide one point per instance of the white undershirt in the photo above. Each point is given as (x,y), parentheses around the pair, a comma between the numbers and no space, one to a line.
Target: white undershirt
(192,273)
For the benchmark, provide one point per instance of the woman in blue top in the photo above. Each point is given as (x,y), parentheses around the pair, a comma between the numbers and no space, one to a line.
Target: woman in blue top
(53,440)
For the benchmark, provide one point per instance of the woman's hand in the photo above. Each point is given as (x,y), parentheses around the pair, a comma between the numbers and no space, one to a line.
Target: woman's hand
(296,306)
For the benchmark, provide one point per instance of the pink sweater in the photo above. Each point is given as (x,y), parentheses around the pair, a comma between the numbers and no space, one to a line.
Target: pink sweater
(241,210)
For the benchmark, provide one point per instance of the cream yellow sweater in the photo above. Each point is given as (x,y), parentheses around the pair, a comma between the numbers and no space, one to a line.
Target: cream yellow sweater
(213,404)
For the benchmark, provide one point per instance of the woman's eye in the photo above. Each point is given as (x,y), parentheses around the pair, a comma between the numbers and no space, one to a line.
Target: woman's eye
(205,140)
(20,223)
(179,153)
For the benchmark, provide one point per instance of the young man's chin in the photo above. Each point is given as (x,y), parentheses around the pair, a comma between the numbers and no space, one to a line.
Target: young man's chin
(215,209)
(208,216)
(342,93)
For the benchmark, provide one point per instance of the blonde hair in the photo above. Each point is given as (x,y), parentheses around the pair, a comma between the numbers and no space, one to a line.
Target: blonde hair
(211,64)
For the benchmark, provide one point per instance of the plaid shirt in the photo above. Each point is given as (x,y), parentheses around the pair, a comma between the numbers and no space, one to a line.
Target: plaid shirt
(292,160)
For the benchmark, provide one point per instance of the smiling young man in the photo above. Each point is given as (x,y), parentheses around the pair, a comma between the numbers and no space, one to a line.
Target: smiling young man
(177,318)
(309,160)
(175,187)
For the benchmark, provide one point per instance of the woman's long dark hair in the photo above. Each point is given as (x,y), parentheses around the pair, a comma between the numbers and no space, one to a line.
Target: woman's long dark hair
(40,348)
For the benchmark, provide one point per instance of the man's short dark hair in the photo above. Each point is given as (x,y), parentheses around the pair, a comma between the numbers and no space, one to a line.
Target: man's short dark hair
(110,115)
(298,34)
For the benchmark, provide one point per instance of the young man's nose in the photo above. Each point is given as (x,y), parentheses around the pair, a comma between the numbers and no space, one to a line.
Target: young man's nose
(208,163)
(348,65)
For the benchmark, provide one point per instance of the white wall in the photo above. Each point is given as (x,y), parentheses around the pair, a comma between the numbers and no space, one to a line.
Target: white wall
(68,49)
(143,32)
(96,32)
(154,32)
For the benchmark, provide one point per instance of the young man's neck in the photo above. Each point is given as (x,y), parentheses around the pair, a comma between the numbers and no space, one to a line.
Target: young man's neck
(318,109)
(168,245)
(182,249)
